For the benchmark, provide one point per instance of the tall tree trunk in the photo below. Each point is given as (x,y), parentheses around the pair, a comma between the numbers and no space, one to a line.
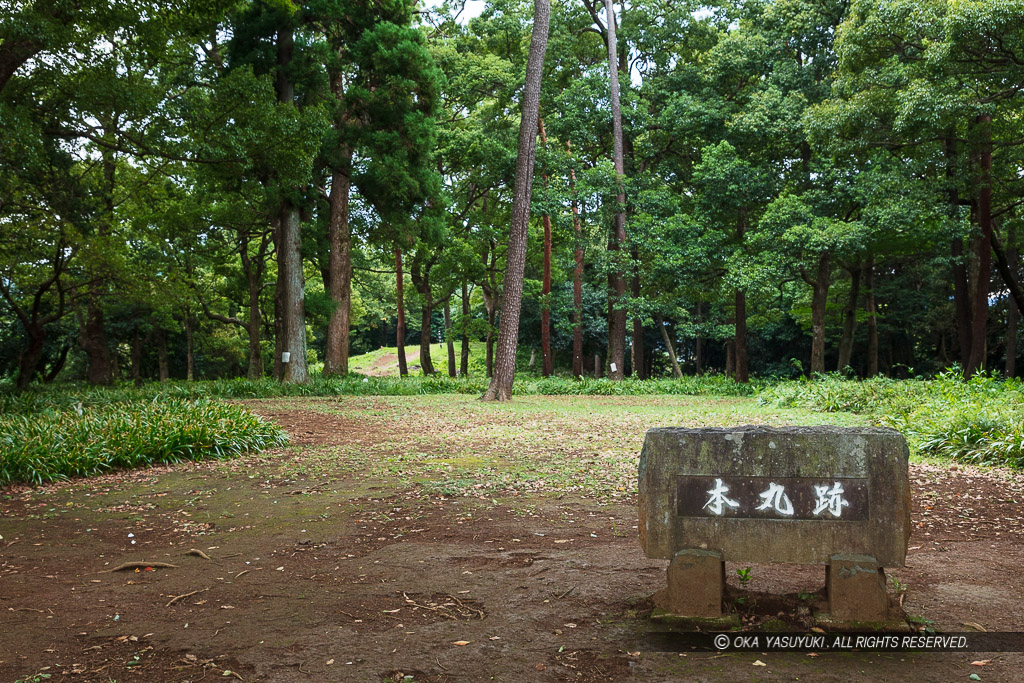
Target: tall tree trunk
(547,361)
(163,369)
(403,367)
(961,290)
(849,321)
(190,365)
(289,255)
(464,350)
(598,366)
(639,366)
(1012,312)
(500,388)
(58,364)
(819,300)
(295,370)
(730,359)
(426,315)
(961,300)
(279,312)
(491,303)
(577,279)
(739,347)
(255,323)
(29,362)
(93,340)
(136,359)
(984,251)
(93,335)
(869,305)
(676,372)
(699,341)
(452,369)
(616,311)
(339,238)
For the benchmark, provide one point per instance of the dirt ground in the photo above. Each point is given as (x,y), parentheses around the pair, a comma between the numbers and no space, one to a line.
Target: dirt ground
(345,557)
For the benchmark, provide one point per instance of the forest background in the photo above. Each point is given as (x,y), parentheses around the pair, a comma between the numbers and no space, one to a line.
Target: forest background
(191,189)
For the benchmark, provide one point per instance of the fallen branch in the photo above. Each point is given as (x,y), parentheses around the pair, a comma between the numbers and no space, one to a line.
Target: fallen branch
(139,565)
(307,489)
(468,607)
(198,553)
(184,595)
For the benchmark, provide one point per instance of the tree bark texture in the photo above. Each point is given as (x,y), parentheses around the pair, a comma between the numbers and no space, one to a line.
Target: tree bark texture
(426,363)
(290,257)
(577,278)
(449,340)
(740,346)
(639,364)
(983,246)
(464,350)
(32,354)
(819,300)
(869,305)
(616,311)
(698,353)
(163,370)
(190,364)
(339,238)
(403,367)
(289,254)
(547,361)
(500,388)
(669,346)
(419,269)
(849,321)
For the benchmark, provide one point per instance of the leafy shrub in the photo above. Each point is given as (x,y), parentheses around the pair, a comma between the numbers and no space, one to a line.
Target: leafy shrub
(62,442)
(67,396)
(978,421)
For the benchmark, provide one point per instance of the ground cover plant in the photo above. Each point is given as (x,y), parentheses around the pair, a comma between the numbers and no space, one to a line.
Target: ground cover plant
(980,420)
(51,443)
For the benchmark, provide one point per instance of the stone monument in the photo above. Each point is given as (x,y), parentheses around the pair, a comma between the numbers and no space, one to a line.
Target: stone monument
(838,497)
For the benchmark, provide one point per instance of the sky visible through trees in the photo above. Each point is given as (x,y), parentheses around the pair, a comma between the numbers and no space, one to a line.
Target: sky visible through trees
(194,189)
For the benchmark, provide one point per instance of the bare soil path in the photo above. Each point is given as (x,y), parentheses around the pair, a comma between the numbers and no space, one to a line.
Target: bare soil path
(440,539)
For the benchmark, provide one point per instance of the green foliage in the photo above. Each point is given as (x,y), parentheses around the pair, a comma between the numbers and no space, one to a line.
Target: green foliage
(48,440)
(979,421)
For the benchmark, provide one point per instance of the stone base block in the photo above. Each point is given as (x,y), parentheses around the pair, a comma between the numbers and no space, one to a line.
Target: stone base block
(696,579)
(856,588)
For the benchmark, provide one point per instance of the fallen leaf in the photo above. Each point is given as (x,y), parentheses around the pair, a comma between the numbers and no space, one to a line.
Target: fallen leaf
(329,662)
(563,540)
(975,626)
(981,662)
(817,630)
(975,677)
(540,667)
(460,643)
(758,662)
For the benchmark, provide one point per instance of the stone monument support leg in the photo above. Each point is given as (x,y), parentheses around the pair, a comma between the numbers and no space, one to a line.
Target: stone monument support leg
(856,588)
(696,579)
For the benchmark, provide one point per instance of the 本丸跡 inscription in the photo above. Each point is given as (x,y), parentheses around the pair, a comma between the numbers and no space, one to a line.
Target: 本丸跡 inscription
(779,498)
